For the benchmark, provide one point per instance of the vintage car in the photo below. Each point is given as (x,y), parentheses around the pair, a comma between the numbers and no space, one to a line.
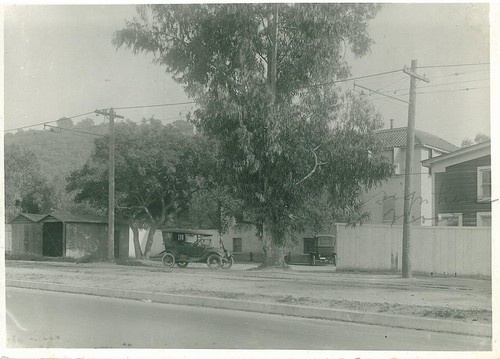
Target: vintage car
(323,251)
(187,245)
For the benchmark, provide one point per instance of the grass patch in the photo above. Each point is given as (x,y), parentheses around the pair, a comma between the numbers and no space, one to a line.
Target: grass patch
(292,300)
(129,262)
(33,257)
(444,313)
(88,258)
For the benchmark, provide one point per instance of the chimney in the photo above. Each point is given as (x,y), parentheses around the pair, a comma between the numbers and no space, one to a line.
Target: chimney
(392,122)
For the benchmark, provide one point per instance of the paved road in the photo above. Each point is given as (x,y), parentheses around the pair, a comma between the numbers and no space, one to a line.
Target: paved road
(37,319)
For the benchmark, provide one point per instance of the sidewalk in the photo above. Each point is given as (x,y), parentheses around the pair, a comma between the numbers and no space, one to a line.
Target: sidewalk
(456,305)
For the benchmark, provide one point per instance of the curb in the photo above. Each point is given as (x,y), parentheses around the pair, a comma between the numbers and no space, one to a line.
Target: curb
(398,321)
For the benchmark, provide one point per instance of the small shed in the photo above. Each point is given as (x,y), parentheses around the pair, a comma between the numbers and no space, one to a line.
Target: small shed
(26,233)
(67,235)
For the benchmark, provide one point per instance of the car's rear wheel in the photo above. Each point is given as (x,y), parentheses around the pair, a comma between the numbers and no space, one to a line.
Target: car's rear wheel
(182,264)
(227,262)
(214,261)
(168,260)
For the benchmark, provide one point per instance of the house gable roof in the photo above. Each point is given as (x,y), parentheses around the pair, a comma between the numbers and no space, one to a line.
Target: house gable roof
(396,137)
(439,163)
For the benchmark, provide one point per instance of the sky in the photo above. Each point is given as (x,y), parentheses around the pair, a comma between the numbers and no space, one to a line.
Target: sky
(60,62)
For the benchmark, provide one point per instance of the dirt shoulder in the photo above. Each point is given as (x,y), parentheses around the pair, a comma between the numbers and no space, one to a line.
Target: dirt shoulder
(461,299)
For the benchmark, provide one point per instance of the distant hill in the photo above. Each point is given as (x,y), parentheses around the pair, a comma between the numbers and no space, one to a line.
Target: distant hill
(59,149)
(65,147)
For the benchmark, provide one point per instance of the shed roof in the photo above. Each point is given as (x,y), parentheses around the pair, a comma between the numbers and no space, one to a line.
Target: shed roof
(26,218)
(396,137)
(79,218)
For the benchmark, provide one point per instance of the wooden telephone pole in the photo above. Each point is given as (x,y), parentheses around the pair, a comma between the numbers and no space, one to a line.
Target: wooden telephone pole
(410,146)
(111,177)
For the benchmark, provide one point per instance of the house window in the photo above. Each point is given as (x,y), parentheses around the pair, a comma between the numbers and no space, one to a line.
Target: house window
(484,219)
(450,219)
(388,208)
(309,245)
(237,245)
(484,184)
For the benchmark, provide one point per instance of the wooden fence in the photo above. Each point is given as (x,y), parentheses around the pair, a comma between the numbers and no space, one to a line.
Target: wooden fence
(459,251)
(8,238)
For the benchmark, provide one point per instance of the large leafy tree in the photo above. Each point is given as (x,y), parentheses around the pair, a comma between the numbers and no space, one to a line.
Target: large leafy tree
(158,169)
(480,138)
(26,189)
(287,146)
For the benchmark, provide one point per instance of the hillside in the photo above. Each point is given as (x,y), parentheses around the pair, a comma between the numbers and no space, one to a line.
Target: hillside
(59,150)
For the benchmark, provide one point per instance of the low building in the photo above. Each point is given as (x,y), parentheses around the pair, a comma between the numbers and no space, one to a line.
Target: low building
(66,235)
(461,186)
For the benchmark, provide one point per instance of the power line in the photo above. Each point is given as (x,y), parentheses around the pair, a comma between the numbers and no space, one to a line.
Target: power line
(43,123)
(454,65)
(350,79)
(456,90)
(310,86)
(391,72)
(459,73)
(71,130)
(437,85)
(160,105)
(92,112)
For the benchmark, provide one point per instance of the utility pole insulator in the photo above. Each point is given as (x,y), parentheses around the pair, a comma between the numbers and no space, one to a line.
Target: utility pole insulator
(413,74)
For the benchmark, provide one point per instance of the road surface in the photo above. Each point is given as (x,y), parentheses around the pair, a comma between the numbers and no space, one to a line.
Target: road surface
(41,319)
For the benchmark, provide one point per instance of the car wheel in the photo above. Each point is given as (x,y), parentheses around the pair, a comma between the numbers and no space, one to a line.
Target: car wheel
(182,264)
(214,261)
(227,262)
(168,260)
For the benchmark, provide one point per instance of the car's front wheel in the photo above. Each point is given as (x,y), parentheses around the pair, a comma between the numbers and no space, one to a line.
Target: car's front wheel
(214,261)
(227,262)
(168,260)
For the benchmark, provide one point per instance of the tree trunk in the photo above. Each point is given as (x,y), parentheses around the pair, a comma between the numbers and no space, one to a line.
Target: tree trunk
(274,252)
(137,244)
(149,243)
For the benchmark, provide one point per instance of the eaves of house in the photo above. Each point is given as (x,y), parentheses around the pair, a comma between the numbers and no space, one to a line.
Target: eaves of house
(439,163)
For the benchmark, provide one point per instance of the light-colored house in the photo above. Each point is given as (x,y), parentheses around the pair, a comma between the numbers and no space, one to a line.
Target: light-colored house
(385,202)
(461,186)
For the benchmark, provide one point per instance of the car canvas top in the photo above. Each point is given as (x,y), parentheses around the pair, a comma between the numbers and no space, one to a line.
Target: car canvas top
(187,231)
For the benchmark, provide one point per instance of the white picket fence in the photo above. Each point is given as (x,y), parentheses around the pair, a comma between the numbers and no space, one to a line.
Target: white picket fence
(457,251)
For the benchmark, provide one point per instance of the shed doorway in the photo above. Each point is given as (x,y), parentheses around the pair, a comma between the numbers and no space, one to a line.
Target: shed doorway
(117,244)
(52,239)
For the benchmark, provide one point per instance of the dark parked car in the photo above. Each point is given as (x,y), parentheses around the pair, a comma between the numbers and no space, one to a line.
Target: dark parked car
(323,251)
(187,245)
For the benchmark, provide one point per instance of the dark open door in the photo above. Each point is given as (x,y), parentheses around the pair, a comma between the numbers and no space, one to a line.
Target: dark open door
(117,243)
(52,239)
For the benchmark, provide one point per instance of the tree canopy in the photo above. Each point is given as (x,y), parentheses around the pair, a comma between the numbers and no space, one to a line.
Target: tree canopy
(26,189)
(480,138)
(158,169)
(288,142)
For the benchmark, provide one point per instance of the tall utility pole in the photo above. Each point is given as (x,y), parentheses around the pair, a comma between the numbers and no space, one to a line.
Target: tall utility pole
(111,178)
(410,146)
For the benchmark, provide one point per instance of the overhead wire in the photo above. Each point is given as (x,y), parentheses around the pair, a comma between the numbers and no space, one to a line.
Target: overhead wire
(159,105)
(454,65)
(305,87)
